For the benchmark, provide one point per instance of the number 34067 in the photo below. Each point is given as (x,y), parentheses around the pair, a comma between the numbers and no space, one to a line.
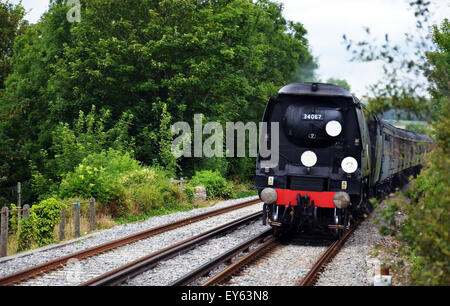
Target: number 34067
(312,117)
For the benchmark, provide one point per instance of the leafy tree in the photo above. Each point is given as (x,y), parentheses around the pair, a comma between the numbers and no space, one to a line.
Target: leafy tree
(219,58)
(403,86)
(425,231)
(11,25)
(340,82)
(25,127)
(222,59)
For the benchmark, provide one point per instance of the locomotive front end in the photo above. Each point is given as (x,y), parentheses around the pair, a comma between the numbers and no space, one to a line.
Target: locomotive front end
(323,159)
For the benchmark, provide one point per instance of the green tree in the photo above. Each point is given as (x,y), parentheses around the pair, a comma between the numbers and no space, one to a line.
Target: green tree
(425,232)
(219,58)
(340,82)
(222,59)
(25,126)
(11,25)
(404,86)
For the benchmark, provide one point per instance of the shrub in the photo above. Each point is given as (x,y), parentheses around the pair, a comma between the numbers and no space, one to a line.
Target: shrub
(27,235)
(216,186)
(150,189)
(39,226)
(425,231)
(99,176)
(189,190)
(13,226)
(71,145)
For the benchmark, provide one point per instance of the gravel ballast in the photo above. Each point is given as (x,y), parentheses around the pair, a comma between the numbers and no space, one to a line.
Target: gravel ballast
(287,264)
(352,266)
(172,269)
(22,261)
(283,266)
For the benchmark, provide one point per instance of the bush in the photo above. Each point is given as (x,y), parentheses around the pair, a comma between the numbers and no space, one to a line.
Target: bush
(99,176)
(150,189)
(216,186)
(39,226)
(121,184)
(190,192)
(71,145)
(425,231)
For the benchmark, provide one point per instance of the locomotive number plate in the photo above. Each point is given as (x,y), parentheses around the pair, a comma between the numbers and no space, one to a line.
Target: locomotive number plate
(312,117)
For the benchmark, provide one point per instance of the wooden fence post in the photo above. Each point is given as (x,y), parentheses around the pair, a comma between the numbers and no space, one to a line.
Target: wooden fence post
(4,233)
(92,215)
(26,212)
(76,207)
(182,184)
(62,225)
(19,200)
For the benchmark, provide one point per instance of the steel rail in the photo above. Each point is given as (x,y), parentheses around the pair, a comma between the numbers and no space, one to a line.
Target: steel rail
(90,252)
(126,272)
(223,258)
(310,278)
(246,260)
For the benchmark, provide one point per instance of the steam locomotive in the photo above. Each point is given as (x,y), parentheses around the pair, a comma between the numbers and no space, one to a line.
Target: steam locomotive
(332,159)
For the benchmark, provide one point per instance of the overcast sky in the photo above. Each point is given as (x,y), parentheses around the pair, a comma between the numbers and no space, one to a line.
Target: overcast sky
(326,22)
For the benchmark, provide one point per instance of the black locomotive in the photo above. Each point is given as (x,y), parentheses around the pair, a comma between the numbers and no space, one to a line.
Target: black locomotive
(332,159)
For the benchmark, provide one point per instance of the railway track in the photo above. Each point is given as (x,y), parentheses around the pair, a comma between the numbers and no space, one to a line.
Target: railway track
(264,241)
(263,244)
(141,265)
(310,278)
(94,251)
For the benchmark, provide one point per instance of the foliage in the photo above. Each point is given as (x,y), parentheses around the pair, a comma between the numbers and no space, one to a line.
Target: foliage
(425,231)
(71,146)
(27,234)
(403,86)
(39,226)
(418,127)
(25,125)
(46,215)
(220,58)
(11,25)
(165,157)
(121,184)
(190,192)
(340,82)
(150,189)
(13,219)
(98,176)
(216,186)
(242,169)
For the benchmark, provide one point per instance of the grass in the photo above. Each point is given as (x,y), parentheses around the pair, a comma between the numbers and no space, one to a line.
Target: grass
(242,190)
(155,212)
